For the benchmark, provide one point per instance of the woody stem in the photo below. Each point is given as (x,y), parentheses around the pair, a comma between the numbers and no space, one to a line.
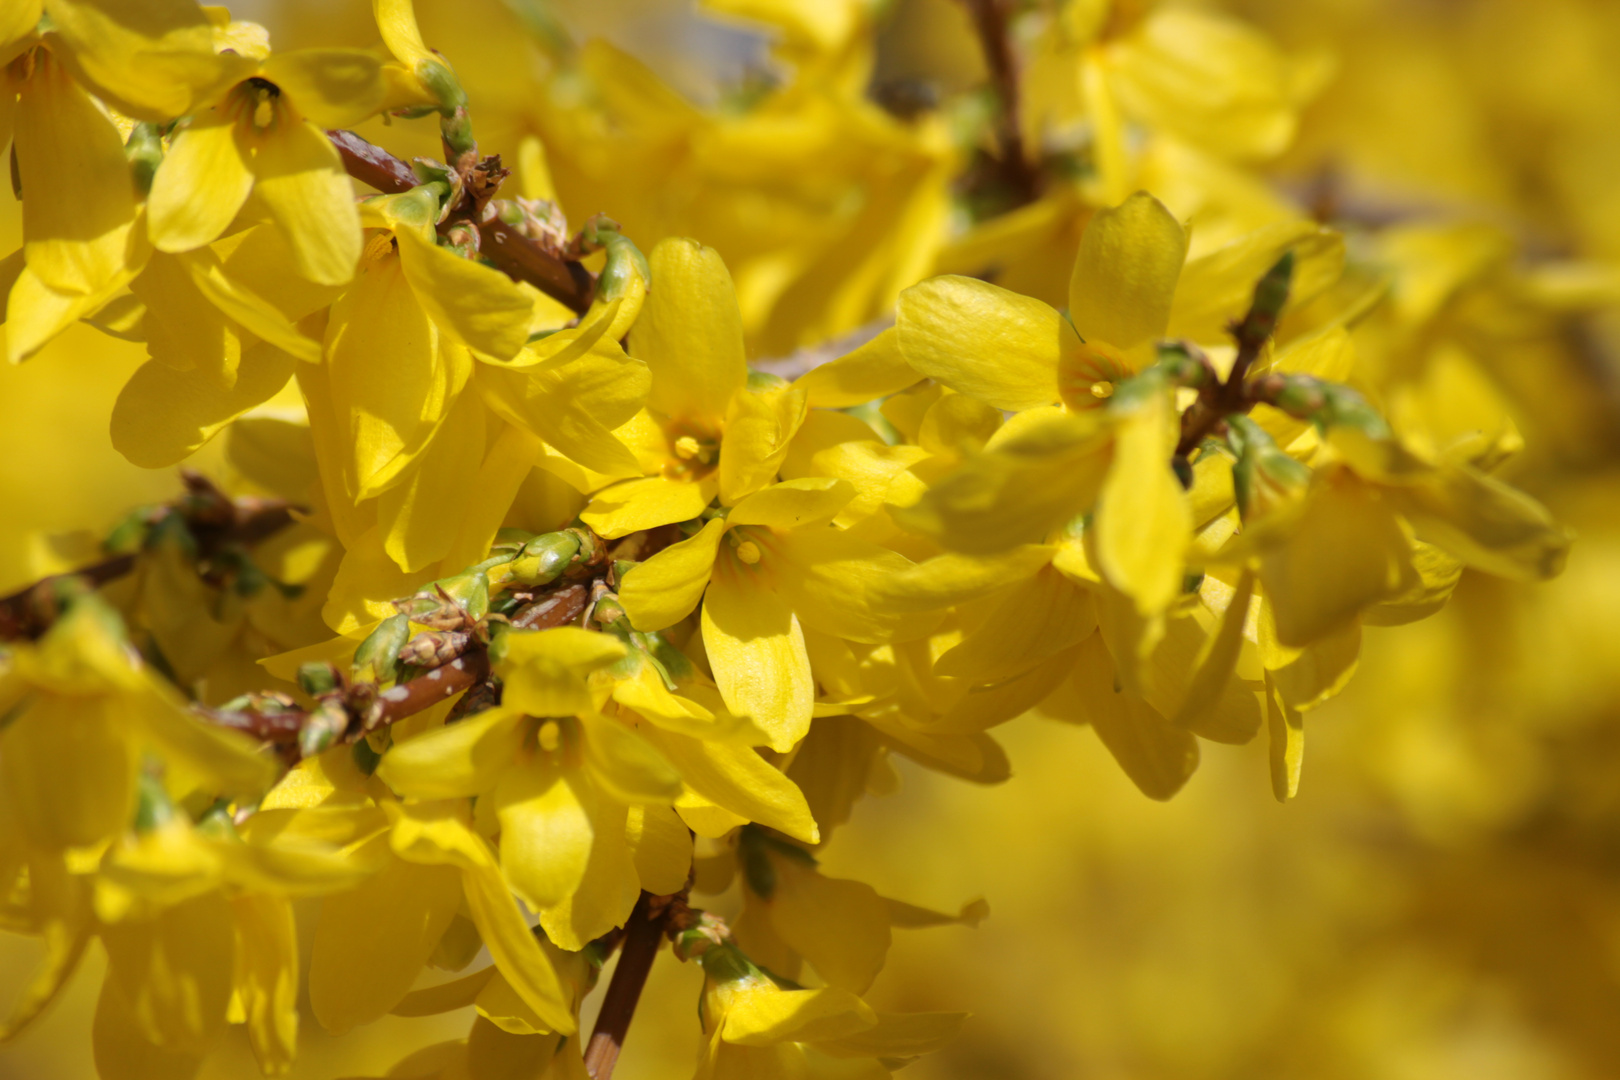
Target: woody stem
(641,938)
(990,18)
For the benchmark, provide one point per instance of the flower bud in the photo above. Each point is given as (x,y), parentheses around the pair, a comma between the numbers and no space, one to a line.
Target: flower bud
(544,558)
(319,678)
(323,727)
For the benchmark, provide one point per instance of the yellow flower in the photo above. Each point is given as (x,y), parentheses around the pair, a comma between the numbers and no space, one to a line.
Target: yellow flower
(763,571)
(756,1029)
(706,434)
(265,135)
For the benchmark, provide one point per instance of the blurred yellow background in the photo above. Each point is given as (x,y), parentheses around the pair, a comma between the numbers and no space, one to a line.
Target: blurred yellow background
(1443,898)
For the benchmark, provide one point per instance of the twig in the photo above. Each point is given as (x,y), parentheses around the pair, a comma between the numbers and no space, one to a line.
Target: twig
(1216,401)
(507,249)
(214,519)
(643,930)
(1016,172)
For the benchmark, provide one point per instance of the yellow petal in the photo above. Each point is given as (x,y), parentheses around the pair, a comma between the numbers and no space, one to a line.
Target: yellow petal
(152,61)
(1216,289)
(545,671)
(202,183)
(1143,519)
(1486,523)
(385,411)
(546,831)
(898,1035)
(335,88)
(1043,615)
(1347,552)
(372,942)
(255,314)
(1125,275)
(978,339)
(60,808)
(874,370)
(267,978)
(760,426)
(756,650)
(482,307)
(758,1013)
(175,970)
(793,503)
(608,890)
(841,927)
(1287,729)
(78,202)
(466,758)
(573,401)
(162,416)
(1019,489)
(738,779)
(421,518)
(626,766)
(644,504)
(664,589)
(1155,754)
(300,179)
(690,334)
(660,846)
(953,578)
(833,582)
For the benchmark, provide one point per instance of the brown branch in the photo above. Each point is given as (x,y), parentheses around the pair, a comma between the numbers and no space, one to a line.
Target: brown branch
(1218,400)
(1014,169)
(507,249)
(642,933)
(214,519)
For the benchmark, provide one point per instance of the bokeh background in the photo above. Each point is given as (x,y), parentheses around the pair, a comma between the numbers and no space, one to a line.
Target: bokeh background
(1441,900)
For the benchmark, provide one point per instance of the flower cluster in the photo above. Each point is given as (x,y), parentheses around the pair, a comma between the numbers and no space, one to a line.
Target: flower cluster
(542,610)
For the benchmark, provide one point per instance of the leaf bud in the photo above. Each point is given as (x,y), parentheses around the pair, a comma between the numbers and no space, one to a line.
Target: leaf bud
(1264,477)
(323,727)
(544,558)
(381,649)
(319,678)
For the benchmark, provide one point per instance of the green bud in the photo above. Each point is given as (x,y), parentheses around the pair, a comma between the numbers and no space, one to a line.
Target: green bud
(171,529)
(129,535)
(324,727)
(544,558)
(625,263)
(145,152)
(470,589)
(366,759)
(1343,407)
(1271,295)
(764,380)
(756,864)
(153,808)
(676,665)
(381,648)
(318,678)
(1263,476)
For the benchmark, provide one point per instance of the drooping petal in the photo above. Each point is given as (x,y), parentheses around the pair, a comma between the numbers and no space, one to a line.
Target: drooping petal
(832,581)
(546,671)
(421,517)
(266,978)
(78,202)
(546,831)
(162,416)
(759,1013)
(372,942)
(1043,615)
(477,304)
(793,504)
(756,649)
(174,970)
(1125,275)
(574,401)
(1157,756)
(738,779)
(202,183)
(1143,519)
(841,927)
(982,340)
